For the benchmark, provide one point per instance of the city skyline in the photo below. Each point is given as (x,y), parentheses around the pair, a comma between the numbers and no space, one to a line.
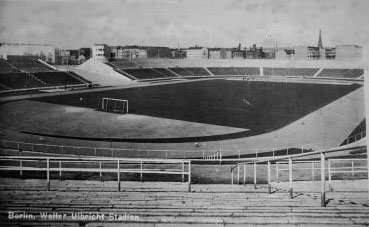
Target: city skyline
(73,24)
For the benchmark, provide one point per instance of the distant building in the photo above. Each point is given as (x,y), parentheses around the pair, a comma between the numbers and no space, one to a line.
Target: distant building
(330,53)
(313,52)
(133,52)
(178,53)
(269,53)
(72,57)
(255,52)
(197,52)
(214,53)
(158,52)
(349,52)
(238,54)
(85,52)
(220,53)
(340,52)
(226,53)
(43,51)
(101,52)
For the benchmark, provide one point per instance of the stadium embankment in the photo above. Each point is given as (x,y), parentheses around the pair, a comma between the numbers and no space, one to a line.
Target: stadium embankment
(100,73)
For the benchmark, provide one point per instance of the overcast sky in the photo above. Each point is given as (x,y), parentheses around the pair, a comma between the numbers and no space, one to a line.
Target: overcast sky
(221,23)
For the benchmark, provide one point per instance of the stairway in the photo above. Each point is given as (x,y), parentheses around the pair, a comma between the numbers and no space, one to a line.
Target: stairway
(168,204)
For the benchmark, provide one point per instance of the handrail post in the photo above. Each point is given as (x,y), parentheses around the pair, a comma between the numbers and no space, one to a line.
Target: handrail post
(273,152)
(48,174)
(313,170)
(20,168)
(322,173)
(203,154)
(269,181)
(329,176)
(95,151)
(141,175)
(352,168)
(231,176)
(166,154)
(244,173)
(239,154)
(100,171)
(220,155)
(277,171)
(118,173)
(183,169)
(60,170)
(290,176)
(238,173)
(255,175)
(189,176)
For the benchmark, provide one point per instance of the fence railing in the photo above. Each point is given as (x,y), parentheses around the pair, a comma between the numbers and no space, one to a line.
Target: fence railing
(323,167)
(95,165)
(217,155)
(350,166)
(205,154)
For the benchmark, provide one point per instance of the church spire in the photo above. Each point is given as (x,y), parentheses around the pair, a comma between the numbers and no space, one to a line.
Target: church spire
(320,43)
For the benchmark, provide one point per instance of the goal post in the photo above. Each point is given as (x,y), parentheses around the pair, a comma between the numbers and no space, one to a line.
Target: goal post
(114,105)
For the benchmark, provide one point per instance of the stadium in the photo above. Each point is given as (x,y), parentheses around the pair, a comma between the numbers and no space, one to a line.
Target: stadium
(159,113)
(185,125)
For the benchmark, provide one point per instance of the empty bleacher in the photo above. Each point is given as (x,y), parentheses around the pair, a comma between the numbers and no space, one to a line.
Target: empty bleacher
(309,72)
(19,80)
(5,67)
(148,73)
(165,72)
(168,204)
(250,71)
(122,64)
(82,79)
(341,73)
(28,63)
(235,71)
(190,71)
(57,78)
(223,71)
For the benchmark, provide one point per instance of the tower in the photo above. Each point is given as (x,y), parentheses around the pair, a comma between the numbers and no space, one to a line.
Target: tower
(320,43)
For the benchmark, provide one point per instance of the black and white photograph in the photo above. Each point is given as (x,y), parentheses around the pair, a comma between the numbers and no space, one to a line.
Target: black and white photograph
(184,113)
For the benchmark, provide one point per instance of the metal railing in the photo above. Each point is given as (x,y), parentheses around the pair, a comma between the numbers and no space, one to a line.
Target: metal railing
(290,158)
(354,166)
(206,154)
(115,165)
(314,166)
(217,155)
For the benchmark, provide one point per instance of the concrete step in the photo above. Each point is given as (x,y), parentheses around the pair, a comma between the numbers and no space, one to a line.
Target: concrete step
(169,205)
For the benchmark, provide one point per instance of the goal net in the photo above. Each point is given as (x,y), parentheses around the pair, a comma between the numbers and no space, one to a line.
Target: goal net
(114,105)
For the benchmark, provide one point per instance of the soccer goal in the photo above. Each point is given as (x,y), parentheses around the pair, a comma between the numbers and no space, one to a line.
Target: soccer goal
(114,105)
